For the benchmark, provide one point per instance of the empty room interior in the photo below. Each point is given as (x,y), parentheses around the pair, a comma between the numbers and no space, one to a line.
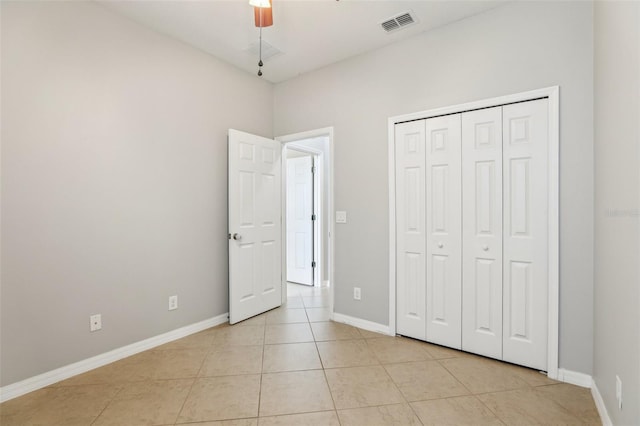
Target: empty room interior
(319,212)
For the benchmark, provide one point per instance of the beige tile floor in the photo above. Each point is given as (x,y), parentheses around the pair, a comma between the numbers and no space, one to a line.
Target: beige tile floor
(291,366)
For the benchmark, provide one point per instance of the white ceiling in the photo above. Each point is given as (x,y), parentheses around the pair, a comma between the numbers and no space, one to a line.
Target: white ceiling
(310,33)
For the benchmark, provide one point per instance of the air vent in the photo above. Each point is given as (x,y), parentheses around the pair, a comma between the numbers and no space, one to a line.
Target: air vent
(399,21)
(268,51)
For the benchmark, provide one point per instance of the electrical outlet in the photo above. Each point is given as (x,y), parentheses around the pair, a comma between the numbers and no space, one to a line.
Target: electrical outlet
(173,303)
(357,294)
(619,392)
(95,322)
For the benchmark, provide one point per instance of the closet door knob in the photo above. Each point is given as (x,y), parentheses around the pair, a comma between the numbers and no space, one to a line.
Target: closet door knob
(440,244)
(485,247)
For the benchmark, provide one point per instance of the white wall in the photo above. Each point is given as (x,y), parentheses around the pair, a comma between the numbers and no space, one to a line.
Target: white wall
(513,48)
(114,167)
(617,207)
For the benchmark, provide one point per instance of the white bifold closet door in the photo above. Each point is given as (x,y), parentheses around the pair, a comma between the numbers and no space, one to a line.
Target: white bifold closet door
(482,232)
(410,232)
(443,233)
(525,185)
(472,231)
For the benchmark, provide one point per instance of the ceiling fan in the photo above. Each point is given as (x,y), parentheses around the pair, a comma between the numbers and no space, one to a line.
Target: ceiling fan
(263,17)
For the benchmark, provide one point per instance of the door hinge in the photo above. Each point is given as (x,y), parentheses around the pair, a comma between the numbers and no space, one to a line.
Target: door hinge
(313,264)
(313,169)
(313,217)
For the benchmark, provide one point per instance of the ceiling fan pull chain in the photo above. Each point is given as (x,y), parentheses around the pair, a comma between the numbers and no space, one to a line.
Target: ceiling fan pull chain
(260,61)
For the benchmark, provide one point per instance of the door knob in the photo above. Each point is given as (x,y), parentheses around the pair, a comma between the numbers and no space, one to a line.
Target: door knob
(485,247)
(237,237)
(440,244)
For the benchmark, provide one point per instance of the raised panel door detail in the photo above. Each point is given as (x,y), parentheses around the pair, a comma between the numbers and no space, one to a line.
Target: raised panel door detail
(439,202)
(439,289)
(411,143)
(410,147)
(268,155)
(482,232)
(413,284)
(519,130)
(269,258)
(520,206)
(525,269)
(485,197)
(413,211)
(247,198)
(443,225)
(299,201)
(270,212)
(246,151)
(246,278)
(439,140)
(485,135)
(520,300)
(484,303)
(300,257)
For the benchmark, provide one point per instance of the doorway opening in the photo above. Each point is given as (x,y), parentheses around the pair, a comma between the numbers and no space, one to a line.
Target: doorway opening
(307,216)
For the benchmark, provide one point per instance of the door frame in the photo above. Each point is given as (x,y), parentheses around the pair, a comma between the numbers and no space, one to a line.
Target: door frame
(553,95)
(317,177)
(292,138)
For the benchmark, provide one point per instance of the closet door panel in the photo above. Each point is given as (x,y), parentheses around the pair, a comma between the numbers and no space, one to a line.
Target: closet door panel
(525,302)
(443,234)
(410,229)
(482,232)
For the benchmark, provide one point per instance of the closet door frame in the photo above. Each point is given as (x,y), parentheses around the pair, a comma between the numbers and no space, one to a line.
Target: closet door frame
(553,96)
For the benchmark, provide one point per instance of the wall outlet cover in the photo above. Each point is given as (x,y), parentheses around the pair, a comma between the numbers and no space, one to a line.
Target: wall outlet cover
(173,303)
(95,322)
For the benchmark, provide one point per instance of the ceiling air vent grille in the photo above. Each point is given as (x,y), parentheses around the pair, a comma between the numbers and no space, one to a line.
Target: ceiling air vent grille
(268,50)
(397,22)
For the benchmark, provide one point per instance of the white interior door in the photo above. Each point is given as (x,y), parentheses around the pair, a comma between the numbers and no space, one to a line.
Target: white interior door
(482,232)
(525,162)
(443,231)
(410,231)
(299,220)
(254,191)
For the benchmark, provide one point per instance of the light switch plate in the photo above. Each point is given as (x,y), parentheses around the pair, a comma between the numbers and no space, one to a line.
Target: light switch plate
(341,217)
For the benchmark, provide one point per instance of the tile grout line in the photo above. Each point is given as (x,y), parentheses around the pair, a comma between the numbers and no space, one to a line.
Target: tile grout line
(209,351)
(475,395)
(264,343)
(324,373)
(407,402)
(108,404)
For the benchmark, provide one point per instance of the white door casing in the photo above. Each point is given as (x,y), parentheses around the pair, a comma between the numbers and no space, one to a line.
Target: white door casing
(443,230)
(410,228)
(525,298)
(299,223)
(482,232)
(254,192)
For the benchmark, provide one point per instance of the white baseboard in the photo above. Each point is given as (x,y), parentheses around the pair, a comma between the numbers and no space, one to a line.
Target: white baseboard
(360,323)
(22,387)
(574,378)
(602,409)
